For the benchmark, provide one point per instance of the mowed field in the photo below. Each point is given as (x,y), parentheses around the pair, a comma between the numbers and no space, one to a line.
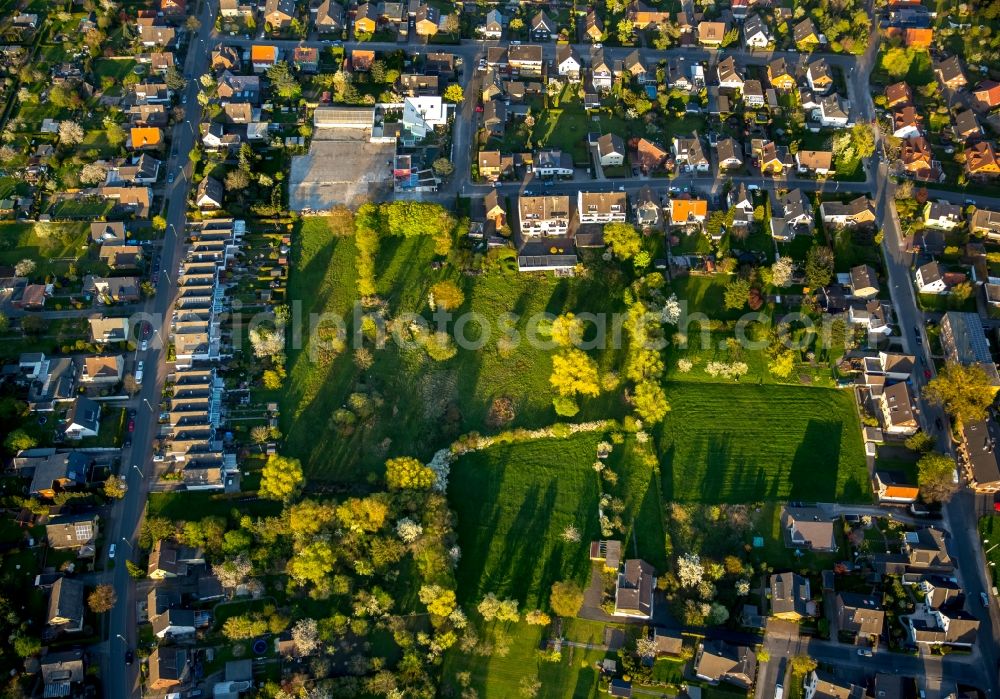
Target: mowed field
(426,404)
(740,443)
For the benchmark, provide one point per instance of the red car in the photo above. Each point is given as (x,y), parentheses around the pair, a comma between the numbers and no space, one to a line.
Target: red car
(131,425)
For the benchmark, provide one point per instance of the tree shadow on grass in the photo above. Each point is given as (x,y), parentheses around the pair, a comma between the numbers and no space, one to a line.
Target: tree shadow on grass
(814,470)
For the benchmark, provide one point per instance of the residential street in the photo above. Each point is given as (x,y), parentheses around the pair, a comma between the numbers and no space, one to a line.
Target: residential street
(122,680)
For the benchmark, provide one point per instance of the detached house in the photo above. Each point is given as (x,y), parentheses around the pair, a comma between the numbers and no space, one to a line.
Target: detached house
(756,34)
(808,528)
(492,26)
(568,62)
(263,57)
(593,27)
(65,612)
(806,34)
(327,16)
(366,18)
(525,59)
(816,162)
(791,598)
(543,27)
(942,215)
(279,14)
(684,211)
(856,212)
(906,122)
(898,94)
(649,156)
(601,207)
(601,76)
(544,215)
(780,75)
(986,96)
(77,531)
(104,330)
(634,590)
(611,150)
(917,160)
(689,154)
(728,153)
(642,16)
(949,74)
(898,411)
(717,662)
(860,615)
(727,74)
(791,215)
(711,34)
(819,77)
(981,160)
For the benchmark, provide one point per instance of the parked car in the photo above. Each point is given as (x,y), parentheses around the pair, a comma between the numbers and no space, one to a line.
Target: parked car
(129,657)
(131,425)
(111,551)
(984,598)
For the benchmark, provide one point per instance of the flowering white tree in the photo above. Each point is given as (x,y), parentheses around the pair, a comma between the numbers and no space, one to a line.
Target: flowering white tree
(743,587)
(267,343)
(440,464)
(306,636)
(689,570)
(408,530)
(234,572)
(24,267)
(571,534)
(645,647)
(671,312)
(70,133)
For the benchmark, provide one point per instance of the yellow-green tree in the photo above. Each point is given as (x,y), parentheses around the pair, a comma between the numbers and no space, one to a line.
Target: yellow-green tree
(408,473)
(650,402)
(966,392)
(281,478)
(566,599)
(574,372)
(623,240)
(447,295)
(313,563)
(567,330)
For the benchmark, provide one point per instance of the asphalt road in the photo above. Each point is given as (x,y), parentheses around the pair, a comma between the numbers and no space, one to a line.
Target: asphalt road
(137,465)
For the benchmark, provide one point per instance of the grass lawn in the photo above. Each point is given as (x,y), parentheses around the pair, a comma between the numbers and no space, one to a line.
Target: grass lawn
(89,208)
(431,402)
(512,503)
(50,245)
(575,676)
(989,528)
(745,443)
(183,505)
(116,68)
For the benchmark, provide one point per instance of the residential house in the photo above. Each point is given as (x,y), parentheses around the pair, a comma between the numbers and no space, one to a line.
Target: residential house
(772,159)
(965,125)
(167,617)
(756,33)
(611,150)
(102,370)
(440,63)
(753,94)
(544,215)
(832,113)
(154,31)
(979,455)
(110,232)
(77,531)
(65,612)
(568,62)
(55,472)
(543,27)
(685,211)
(601,207)
(601,76)
(634,590)
(646,208)
(780,75)
(820,685)
(711,34)
(105,330)
(667,644)
(872,315)
(427,21)
(728,75)
(986,95)
(366,18)
(493,166)
(943,627)
(143,169)
(806,34)
(279,14)
(239,88)
(168,667)
(942,215)
(263,57)
(643,16)
(593,27)
(525,59)
(906,122)
(898,94)
(552,163)
(226,58)
(608,551)
(62,673)
(678,75)
(981,160)
(815,162)
(412,85)
(633,67)
(739,199)
(860,614)
(83,419)
(985,222)
(495,211)
(717,662)
(898,410)
(918,37)
(209,194)
(327,16)
(819,76)
(306,58)
(949,74)
(893,487)
(918,161)
(791,215)
(492,26)
(689,154)
(791,598)
(857,212)
(144,137)
(648,156)
(930,279)
(728,153)
(170,560)
(494,117)
(236,8)
(864,282)
(964,341)
(808,528)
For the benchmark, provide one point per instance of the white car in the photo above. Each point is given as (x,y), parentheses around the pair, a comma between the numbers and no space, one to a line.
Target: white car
(144,345)
(111,551)
(138,372)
